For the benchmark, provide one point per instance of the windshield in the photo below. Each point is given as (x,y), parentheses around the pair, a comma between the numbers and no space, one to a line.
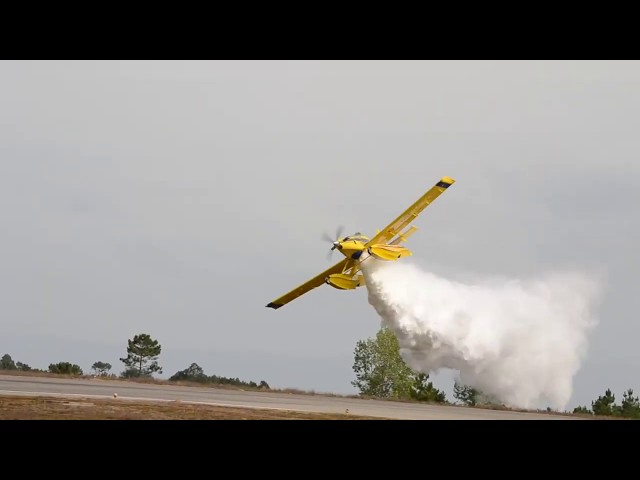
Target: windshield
(358,237)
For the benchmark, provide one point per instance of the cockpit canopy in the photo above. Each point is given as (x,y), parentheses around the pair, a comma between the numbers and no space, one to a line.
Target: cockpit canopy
(358,237)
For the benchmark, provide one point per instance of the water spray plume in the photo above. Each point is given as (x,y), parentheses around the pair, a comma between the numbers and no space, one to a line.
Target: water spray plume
(519,341)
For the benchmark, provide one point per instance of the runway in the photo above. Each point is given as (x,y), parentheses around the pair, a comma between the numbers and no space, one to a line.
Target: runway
(97,388)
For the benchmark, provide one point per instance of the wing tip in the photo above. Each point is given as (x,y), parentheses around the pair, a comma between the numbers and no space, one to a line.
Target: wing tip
(275,306)
(445,182)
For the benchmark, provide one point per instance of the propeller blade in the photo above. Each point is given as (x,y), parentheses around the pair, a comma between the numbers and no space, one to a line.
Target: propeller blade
(326,237)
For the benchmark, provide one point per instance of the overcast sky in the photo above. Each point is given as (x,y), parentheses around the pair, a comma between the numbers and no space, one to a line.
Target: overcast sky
(179,198)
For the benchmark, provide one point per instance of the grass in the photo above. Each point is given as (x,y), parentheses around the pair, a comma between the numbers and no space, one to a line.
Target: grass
(185,383)
(54,408)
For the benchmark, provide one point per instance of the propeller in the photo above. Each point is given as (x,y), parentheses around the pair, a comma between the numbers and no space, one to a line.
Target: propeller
(335,241)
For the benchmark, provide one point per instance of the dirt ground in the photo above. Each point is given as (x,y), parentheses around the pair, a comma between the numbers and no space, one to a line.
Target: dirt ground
(56,408)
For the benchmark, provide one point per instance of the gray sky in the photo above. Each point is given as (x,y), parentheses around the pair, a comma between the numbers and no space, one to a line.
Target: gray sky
(179,198)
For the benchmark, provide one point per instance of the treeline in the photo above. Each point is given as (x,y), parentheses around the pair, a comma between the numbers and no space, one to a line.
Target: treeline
(141,362)
(7,363)
(195,373)
(606,405)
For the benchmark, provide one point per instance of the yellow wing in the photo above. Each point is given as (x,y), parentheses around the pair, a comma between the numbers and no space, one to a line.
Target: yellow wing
(410,214)
(309,285)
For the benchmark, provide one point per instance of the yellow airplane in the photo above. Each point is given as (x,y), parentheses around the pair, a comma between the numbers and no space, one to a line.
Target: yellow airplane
(385,245)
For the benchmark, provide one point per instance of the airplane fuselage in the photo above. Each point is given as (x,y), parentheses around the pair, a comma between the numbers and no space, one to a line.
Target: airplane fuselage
(351,248)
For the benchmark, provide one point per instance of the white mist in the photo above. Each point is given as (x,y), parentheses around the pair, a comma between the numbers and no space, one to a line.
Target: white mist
(519,341)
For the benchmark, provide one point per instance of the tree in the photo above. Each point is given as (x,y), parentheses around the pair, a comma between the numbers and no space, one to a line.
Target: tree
(604,405)
(7,363)
(23,367)
(630,405)
(194,373)
(381,371)
(142,356)
(424,391)
(379,368)
(466,394)
(101,368)
(65,368)
(582,409)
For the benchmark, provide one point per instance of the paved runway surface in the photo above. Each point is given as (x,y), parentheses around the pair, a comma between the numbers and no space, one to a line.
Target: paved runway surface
(96,388)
